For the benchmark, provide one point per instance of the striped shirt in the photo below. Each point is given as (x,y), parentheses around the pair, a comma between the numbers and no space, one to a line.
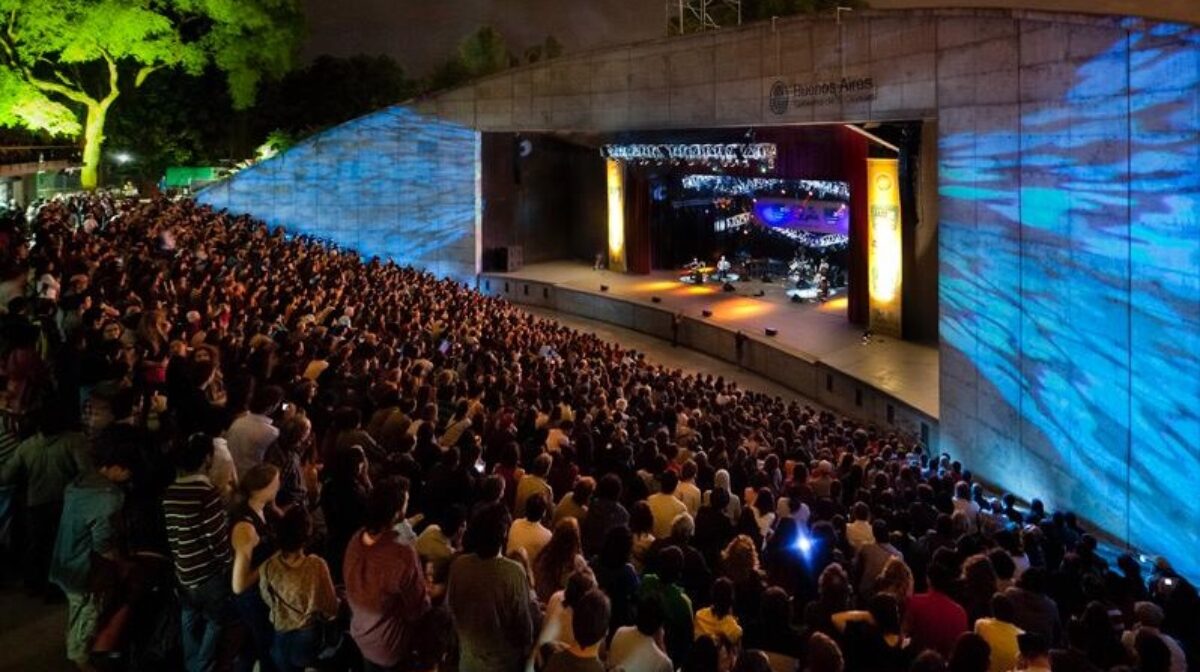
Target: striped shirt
(197,529)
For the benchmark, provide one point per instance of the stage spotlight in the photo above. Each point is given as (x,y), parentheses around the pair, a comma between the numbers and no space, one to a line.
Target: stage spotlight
(728,287)
(706,312)
(604,288)
(772,332)
(796,299)
(656,299)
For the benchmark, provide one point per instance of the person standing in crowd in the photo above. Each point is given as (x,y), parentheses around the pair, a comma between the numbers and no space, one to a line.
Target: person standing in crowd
(198,535)
(932,619)
(42,466)
(252,433)
(298,590)
(489,597)
(1000,634)
(253,540)
(89,546)
(640,647)
(534,483)
(663,589)
(604,513)
(664,505)
(589,624)
(385,583)
(528,535)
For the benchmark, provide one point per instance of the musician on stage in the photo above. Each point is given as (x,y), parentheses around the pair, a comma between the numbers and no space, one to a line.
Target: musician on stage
(723,267)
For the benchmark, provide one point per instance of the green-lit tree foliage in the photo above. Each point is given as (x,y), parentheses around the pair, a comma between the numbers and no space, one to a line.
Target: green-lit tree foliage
(63,63)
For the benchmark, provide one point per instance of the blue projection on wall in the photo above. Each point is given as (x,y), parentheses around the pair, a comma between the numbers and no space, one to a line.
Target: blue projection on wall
(1070,280)
(393,183)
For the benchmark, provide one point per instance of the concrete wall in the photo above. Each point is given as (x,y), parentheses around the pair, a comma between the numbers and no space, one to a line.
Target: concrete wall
(1070,279)
(395,183)
(761,355)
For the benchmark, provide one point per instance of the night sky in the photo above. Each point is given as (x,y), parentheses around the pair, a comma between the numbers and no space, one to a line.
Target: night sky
(422,33)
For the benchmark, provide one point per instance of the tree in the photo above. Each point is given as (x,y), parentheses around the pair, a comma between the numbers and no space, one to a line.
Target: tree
(550,48)
(483,52)
(64,64)
(329,91)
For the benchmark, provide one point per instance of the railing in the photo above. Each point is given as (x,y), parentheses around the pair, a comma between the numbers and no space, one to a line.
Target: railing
(20,154)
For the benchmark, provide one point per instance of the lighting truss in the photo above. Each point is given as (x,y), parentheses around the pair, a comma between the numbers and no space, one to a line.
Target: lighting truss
(694,16)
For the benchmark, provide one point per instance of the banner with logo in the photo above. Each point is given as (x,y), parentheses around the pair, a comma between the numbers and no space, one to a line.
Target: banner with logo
(885,257)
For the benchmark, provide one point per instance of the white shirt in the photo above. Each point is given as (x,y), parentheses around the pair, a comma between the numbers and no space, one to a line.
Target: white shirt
(532,537)
(222,473)
(969,509)
(631,651)
(664,508)
(689,494)
(249,437)
(783,509)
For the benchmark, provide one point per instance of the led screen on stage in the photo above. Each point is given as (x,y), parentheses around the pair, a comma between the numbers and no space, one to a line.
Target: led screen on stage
(1070,279)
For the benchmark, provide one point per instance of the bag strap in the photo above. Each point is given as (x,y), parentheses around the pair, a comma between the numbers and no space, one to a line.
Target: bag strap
(275,594)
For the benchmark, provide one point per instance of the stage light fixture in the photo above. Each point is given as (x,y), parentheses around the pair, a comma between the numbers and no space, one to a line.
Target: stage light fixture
(772,332)
(656,299)
(706,312)
(604,288)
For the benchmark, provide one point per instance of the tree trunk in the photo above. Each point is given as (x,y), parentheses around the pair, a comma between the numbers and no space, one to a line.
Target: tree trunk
(93,141)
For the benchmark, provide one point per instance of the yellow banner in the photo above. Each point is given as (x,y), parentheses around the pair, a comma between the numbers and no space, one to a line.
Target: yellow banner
(616,216)
(885,258)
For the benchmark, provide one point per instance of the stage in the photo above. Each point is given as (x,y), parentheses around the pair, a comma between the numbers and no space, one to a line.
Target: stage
(866,379)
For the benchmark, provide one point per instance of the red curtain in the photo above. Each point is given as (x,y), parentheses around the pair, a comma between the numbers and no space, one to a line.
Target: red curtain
(637,222)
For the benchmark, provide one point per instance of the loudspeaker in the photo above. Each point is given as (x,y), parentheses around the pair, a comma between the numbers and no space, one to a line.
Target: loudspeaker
(604,288)
(655,299)
(728,287)
(772,332)
(706,313)
(796,299)
(760,293)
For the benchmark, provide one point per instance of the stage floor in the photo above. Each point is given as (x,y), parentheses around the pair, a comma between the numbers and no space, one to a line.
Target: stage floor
(908,371)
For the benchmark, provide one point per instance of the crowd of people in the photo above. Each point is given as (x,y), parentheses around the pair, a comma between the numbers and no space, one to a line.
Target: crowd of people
(230,446)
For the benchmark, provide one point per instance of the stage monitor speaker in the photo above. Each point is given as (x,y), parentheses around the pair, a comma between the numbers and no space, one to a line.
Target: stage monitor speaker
(604,288)
(656,299)
(767,278)
(760,293)
(772,332)
(728,287)
(796,299)
(706,313)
